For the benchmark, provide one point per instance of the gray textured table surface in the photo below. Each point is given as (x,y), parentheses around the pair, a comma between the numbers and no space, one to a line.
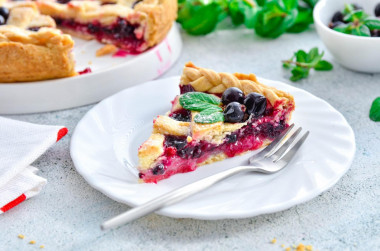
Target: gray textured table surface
(67,213)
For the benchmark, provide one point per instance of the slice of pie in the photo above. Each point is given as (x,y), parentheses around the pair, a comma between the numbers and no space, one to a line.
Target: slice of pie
(216,116)
(133,26)
(30,47)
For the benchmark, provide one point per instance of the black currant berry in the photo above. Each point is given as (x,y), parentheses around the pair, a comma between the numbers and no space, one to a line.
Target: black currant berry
(232,94)
(234,112)
(335,24)
(338,17)
(4,12)
(377,10)
(255,104)
(2,20)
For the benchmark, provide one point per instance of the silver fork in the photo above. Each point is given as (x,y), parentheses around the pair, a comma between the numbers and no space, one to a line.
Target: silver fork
(270,160)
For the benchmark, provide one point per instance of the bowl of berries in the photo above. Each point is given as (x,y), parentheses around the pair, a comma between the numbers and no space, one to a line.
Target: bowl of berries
(351,32)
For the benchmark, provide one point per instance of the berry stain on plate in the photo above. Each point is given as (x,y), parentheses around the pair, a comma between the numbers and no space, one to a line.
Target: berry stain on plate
(120,54)
(85,71)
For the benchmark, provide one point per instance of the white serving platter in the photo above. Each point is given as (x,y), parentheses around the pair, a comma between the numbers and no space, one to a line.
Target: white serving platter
(105,143)
(109,75)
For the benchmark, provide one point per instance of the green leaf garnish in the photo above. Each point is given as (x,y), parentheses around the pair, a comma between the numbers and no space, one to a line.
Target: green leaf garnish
(243,11)
(208,105)
(209,116)
(301,63)
(270,18)
(198,101)
(374,112)
(372,23)
(197,17)
(303,20)
(274,19)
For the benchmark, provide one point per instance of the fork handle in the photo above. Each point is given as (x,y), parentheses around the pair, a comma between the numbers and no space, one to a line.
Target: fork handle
(171,197)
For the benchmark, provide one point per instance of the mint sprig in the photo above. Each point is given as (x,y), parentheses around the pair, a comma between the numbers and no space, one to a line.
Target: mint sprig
(301,63)
(374,112)
(269,18)
(207,105)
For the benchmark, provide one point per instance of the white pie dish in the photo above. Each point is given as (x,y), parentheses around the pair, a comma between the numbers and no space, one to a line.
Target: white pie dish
(105,142)
(109,75)
(353,52)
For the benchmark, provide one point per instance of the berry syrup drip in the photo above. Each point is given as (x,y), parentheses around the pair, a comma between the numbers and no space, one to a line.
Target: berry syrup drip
(121,33)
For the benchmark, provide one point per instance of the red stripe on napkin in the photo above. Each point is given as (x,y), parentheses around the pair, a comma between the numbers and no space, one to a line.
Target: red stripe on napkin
(13,203)
(62,133)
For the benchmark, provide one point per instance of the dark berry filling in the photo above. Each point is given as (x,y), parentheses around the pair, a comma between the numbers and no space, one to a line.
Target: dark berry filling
(186,88)
(181,115)
(181,156)
(159,169)
(178,142)
(121,33)
(34,28)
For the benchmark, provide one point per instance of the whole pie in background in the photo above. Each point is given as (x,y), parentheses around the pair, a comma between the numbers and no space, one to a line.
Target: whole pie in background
(216,116)
(32,31)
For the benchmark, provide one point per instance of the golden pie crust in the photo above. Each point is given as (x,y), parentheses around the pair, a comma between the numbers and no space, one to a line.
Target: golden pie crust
(45,54)
(155,17)
(206,80)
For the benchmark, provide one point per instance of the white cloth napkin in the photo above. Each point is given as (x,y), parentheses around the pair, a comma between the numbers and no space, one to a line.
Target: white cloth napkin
(21,143)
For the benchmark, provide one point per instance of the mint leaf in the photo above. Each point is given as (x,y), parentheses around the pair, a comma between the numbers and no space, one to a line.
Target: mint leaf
(198,18)
(301,56)
(209,116)
(355,16)
(313,53)
(303,20)
(199,101)
(323,65)
(372,23)
(361,30)
(290,4)
(299,73)
(274,19)
(344,28)
(374,112)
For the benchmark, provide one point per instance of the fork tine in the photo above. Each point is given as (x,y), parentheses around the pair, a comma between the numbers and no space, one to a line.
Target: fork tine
(280,151)
(290,154)
(271,146)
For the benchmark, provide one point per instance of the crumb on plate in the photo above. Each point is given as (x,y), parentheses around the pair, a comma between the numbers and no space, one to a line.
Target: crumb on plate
(42,246)
(106,49)
(273,241)
(21,236)
(32,242)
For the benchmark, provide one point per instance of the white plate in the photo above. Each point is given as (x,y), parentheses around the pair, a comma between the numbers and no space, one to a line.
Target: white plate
(109,75)
(105,142)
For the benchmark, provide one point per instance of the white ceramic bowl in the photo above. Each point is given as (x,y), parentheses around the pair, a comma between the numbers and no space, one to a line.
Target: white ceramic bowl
(354,52)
